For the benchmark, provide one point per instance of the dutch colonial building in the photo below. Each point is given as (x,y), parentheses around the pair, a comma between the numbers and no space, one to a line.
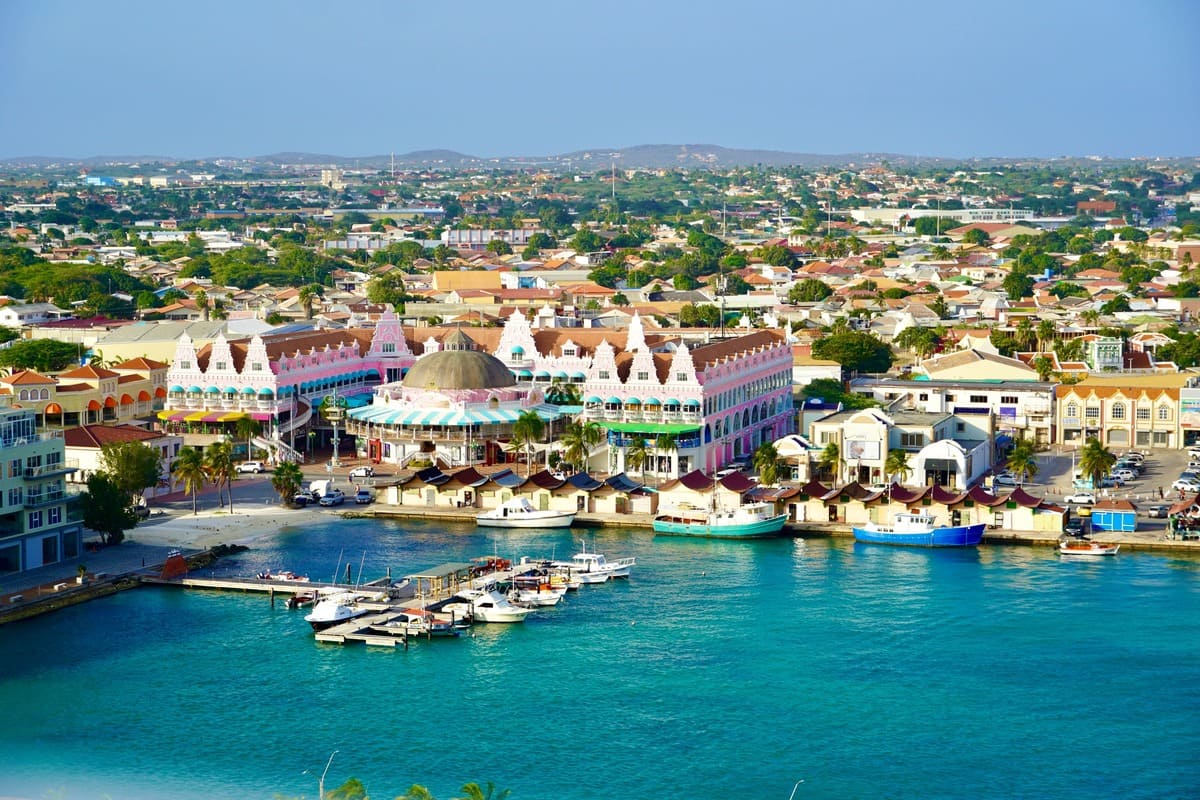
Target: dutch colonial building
(90,395)
(1130,411)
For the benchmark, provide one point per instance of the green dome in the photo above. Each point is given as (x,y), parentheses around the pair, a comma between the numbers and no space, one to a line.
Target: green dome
(458,369)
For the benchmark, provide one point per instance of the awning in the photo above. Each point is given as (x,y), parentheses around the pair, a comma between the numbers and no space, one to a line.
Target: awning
(93,405)
(248,391)
(614,400)
(52,408)
(652,401)
(173,416)
(195,416)
(126,400)
(258,415)
(212,390)
(694,403)
(110,402)
(449,418)
(593,399)
(176,388)
(230,390)
(648,427)
(523,373)
(541,373)
(578,376)
(160,392)
(632,401)
(143,396)
(193,390)
(265,392)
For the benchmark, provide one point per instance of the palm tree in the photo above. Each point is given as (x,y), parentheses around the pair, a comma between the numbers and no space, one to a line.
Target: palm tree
(202,303)
(1044,367)
(1022,460)
(1046,332)
(528,428)
(218,463)
(830,459)
(667,443)
(1095,461)
(247,428)
(578,439)
(307,296)
(563,394)
(1024,333)
(287,480)
(189,468)
(768,463)
(1090,317)
(896,463)
(939,307)
(473,791)
(636,453)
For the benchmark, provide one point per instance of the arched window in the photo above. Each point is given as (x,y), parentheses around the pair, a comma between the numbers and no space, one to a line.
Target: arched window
(1072,410)
(1118,411)
(1164,412)
(24,394)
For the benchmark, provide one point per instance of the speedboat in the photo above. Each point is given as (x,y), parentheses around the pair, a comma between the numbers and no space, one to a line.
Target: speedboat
(416,622)
(919,530)
(749,521)
(489,605)
(301,599)
(520,513)
(543,594)
(1086,547)
(334,610)
(595,568)
(282,575)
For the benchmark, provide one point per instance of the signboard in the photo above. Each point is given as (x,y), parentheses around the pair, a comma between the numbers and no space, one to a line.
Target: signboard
(1008,412)
(861,451)
(1189,412)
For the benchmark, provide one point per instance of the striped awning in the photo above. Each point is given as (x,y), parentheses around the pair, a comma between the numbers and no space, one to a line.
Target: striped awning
(447,418)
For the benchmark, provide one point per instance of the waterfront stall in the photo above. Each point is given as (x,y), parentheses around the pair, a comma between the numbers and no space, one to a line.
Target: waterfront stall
(1114,515)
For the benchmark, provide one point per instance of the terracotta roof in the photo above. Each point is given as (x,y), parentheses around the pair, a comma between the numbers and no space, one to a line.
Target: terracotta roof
(26,377)
(88,372)
(97,436)
(141,363)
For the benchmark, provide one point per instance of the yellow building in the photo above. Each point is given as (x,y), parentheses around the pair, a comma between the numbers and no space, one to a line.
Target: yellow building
(1125,411)
(90,395)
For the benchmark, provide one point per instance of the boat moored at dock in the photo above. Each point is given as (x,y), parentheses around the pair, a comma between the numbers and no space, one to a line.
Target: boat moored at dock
(595,568)
(749,521)
(520,513)
(1087,548)
(919,530)
(334,610)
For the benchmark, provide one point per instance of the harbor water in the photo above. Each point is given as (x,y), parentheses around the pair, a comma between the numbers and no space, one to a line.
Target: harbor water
(725,669)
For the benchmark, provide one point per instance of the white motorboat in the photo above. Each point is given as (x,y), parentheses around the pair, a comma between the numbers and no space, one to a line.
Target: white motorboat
(595,568)
(520,513)
(334,610)
(489,605)
(541,595)
(416,622)
(1087,548)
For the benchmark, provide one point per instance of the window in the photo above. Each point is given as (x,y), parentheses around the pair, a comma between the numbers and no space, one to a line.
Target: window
(603,374)
(1143,414)
(681,377)
(912,440)
(1117,411)
(388,348)
(35,519)
(1164,412)
(950,397)
(54,516)
(14,468)
(979,398)
(185,365)
(827,437)
(220,365)
(959,427)
(256,366)
(923,396)
(643,376)
(1008,399)
(1092,412)
(569,352)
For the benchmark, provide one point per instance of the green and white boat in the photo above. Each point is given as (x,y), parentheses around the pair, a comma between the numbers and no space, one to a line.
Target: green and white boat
(749,521)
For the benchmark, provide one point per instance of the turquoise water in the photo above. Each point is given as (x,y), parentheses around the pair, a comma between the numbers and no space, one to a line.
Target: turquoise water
(722,669)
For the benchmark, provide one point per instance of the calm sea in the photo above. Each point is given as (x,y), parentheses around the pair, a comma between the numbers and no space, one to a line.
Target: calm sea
(722,670)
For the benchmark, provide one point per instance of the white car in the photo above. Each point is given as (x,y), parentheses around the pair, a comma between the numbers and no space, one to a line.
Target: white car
(251,466)
(1005,480)
(1186,486)
(363,472)
(1081,499)
(1126,475)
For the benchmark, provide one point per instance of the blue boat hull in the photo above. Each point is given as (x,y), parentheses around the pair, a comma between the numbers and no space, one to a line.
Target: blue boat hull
(955,536)
(752,530)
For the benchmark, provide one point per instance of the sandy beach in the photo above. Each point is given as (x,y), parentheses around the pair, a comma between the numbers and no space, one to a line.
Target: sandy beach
(211,527)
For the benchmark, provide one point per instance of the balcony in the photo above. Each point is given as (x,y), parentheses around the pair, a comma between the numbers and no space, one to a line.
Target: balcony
(50,470)
(42,499)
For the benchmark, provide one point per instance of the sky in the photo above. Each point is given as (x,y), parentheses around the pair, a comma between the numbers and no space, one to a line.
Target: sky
(357,77)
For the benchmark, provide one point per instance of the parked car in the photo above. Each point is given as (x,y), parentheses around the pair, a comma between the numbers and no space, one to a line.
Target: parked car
(1126,475)
(1158,511)
(363,472)
(1081,498)
(335,497)
(251,466)
(364,496)
(1075,526)
(1186,485)
(1005,480)
(303,498)
(1111,482)
(141,511)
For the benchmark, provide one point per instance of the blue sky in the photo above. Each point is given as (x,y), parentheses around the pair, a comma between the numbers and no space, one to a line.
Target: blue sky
(201,79)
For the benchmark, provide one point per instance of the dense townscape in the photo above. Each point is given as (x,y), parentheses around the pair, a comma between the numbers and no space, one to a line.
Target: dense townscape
(860,324)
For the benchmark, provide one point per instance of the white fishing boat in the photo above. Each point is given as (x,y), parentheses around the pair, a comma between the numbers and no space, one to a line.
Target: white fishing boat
(520,513)
(416,622)
(489,605)
(540,595)
(1087,548)
(334,610)
(595,568)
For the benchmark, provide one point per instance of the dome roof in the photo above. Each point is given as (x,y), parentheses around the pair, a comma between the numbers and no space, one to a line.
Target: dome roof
(458,369)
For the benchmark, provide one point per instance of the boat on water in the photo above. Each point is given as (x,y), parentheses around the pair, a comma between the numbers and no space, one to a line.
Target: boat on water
(919,530)
(488,605)
(334,610)
(301,599)
(1087,548)
(416,622)
(282,575)
(520,513)
(595,568)
(749,521)
(543,594)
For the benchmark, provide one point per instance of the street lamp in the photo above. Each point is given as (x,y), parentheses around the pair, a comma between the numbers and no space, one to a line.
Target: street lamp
(321,780)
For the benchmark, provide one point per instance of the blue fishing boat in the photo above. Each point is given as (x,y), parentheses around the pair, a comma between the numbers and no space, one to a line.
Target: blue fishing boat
(919,530)
(749,521)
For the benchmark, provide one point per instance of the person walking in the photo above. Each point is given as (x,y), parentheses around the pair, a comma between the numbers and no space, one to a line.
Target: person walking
(1160,493)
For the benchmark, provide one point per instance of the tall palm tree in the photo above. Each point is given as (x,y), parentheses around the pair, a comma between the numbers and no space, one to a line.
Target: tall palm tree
(579,439)
(1046,333)
(1095,460)
(830,459)
(636,453)
(1024,333)
(667,443)
(473,791)
(896,463)
(307,297)
(768,463)
(202,303)
(287,480)
(1044,367)
(528,428)
(218,463)
(247,428)
(189,468)
(1022,460)
(1090,317)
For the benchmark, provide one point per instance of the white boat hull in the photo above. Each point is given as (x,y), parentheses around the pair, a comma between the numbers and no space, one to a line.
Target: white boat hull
(548,519)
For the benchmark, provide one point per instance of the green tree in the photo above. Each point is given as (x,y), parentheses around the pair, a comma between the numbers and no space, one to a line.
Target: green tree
(499,247)
(132,466)
(218,464)
(247,428)
(106,508)
(1017,284)
(667,444)
(473,791)
(586,241)
(527,430)
(1046,333)
(636,453)
(830,460)
(579,439)
(40,355)
(189,469)
(768,463)
(809,290)
(286,480)
(1095,460)
(1044,367)
(307,296)
(976,236)
(352,789)
(855,351)
(1022,459)
(896,464)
